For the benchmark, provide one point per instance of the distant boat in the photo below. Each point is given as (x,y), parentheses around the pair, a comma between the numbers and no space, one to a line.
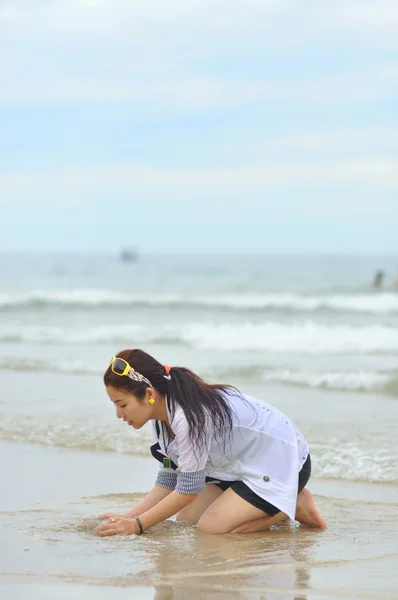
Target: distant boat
(128,255)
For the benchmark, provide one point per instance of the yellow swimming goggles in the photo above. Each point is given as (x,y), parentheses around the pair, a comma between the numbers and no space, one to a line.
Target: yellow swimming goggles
(121,367)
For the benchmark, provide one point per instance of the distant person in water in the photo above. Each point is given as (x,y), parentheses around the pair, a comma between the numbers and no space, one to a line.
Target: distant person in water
(228,463)
(378,279)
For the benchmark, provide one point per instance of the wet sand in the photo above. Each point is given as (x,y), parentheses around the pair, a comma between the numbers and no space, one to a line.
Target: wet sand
(49,504)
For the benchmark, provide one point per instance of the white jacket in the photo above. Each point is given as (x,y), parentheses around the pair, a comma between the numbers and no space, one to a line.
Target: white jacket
(265,450)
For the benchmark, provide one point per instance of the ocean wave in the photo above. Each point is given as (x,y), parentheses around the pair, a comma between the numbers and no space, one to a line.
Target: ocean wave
(74,432)
(350,461)
(354,462)
(304,337)
(28,364)
(374,303)
(360,381)
(385,382)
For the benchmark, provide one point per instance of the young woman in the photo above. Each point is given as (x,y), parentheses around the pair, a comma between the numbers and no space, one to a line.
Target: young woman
(228,463)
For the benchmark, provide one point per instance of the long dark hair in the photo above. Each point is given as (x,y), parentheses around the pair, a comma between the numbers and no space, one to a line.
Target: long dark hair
(197,398)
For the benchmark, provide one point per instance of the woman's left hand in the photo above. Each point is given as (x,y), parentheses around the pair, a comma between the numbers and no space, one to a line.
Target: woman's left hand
(118,526)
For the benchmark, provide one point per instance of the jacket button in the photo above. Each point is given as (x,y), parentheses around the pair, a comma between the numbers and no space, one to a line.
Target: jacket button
(266,478)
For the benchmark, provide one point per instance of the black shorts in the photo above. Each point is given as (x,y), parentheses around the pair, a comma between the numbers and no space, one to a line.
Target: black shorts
(247,494)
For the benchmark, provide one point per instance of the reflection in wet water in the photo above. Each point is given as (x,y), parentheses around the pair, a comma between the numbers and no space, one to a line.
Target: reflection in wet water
(199,566)
(190,593)
(175,561)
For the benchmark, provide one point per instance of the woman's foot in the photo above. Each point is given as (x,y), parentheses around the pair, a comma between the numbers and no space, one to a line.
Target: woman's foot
(306,511)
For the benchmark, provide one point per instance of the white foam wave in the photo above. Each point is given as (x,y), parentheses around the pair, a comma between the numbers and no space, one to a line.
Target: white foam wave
(74,432)
(369,303)
(377,303)
(352,461)
(307,337)
(26,364)
(356,381)
(366,381)
(86,297)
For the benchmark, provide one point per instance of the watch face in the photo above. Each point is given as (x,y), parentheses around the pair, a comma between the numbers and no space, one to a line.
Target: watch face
(166,463)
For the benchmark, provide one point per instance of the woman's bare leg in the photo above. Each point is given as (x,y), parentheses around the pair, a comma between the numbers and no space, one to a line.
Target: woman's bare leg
(230,513)
(260,524)
(306,514)
(192,513)
(227,513)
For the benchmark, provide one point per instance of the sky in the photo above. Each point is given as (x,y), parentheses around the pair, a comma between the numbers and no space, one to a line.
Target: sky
(199,126)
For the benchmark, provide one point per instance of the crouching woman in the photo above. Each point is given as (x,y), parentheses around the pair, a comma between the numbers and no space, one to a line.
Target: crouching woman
(229,463)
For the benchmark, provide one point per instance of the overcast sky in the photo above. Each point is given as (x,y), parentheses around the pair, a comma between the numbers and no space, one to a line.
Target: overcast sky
(199,125)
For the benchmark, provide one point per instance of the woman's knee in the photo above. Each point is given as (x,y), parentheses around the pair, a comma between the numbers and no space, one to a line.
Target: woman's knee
(209,524)
(192,513)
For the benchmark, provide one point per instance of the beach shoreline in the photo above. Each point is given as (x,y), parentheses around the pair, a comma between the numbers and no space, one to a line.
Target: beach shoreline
(48,544)
(305,334)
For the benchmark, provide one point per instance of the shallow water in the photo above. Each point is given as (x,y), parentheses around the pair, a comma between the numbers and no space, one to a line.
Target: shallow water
(48,538)
(308,335)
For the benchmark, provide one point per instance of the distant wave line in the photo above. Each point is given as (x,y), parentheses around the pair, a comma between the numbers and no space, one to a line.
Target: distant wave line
(356,381)
(303,337)
(373,303)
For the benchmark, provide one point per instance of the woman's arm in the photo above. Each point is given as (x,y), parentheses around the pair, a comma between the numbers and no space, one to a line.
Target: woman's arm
(166,508)
(156,494)
(188,482)
(169,506)
(191,478)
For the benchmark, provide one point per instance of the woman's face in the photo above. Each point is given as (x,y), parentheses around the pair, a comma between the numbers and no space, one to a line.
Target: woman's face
(134,411)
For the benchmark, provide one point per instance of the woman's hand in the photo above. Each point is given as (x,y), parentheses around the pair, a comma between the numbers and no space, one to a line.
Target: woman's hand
(118,526)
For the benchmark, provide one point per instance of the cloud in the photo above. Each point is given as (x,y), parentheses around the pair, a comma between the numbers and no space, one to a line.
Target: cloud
(354,14)
(358,141)
(379,171)
(186,92)
(191,55)
(207,102)
(118,20)
(201,25)
(376,83)
(94,17)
